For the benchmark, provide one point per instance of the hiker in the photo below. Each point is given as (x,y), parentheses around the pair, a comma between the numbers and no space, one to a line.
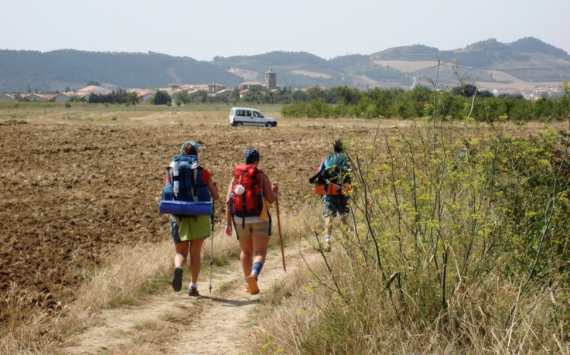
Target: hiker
(249,195)
(189,232)
(333,182)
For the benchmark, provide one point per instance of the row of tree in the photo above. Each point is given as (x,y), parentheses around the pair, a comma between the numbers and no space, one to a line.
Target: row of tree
(114,97)
(460,102)
(422,101)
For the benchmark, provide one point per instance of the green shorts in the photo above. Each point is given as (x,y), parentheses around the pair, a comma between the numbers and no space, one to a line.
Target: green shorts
(189,228)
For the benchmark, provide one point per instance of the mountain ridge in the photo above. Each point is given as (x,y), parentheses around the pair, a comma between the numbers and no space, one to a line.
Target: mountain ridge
(527,59)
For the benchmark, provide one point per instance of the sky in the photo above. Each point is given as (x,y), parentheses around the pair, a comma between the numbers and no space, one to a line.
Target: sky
(326,28)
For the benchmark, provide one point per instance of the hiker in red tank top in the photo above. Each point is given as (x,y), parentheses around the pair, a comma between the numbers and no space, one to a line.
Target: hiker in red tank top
(249,194)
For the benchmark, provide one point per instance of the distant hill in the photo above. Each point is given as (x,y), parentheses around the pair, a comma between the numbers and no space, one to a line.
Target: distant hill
(529,60)
(58,69)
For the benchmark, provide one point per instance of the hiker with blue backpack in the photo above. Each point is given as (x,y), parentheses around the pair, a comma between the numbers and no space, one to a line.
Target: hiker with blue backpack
(332,181)
(247,202)
(186,197)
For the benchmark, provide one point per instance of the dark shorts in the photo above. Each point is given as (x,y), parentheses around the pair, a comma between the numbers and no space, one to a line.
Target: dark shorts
(336,204)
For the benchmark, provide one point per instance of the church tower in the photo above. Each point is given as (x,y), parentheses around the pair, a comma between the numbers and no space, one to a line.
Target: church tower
(270,79)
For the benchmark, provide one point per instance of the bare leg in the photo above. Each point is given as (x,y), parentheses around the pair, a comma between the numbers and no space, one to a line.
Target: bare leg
(259,253)
(195,261)
(246,256)
(328,225)
(181,254)
(259,248)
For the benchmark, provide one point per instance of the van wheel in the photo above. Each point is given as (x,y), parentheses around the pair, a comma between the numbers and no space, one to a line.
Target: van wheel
(239,124)
(268,124)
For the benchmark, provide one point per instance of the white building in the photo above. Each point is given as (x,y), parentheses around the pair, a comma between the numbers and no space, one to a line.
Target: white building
(93,89)
(6,98)
(32,98)
(57,97)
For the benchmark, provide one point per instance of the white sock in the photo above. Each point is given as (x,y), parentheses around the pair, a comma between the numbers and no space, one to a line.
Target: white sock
(193,285)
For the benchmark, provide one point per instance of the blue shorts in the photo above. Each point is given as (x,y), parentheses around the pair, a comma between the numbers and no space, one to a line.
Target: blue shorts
(336,204)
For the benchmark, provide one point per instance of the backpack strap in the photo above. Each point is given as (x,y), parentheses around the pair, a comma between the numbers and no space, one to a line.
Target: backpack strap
(194,178)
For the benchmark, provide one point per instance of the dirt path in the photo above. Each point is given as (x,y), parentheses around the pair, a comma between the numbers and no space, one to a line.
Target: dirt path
(170,322)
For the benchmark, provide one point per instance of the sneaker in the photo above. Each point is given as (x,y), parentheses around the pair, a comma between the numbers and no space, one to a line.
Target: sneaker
(327,246)
(193,291)
(252,283)
(177,280)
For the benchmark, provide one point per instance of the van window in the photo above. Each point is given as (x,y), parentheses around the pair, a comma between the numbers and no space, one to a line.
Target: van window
(257,114)
(240,113)
(247,113)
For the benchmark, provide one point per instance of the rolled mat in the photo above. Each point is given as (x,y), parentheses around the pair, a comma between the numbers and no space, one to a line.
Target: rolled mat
(185,208)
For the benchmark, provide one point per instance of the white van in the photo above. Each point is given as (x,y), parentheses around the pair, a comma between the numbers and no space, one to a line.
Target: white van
(243,116)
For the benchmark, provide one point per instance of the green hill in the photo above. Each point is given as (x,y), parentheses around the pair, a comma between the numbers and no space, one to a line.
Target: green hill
(527,59)
(58,69)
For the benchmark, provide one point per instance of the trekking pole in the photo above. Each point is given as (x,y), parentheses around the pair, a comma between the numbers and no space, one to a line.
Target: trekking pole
(212,242)
(279,229)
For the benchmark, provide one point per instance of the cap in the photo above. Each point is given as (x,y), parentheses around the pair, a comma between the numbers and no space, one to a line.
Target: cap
(251,156)
(189,142)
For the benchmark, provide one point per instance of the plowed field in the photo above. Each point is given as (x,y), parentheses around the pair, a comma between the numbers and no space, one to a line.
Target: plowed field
(72,189)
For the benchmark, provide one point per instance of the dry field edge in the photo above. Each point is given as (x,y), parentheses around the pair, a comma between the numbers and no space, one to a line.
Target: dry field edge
(78,182)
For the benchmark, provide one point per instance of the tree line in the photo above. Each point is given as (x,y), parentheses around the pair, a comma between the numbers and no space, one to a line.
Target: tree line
(458,103)
(337,102)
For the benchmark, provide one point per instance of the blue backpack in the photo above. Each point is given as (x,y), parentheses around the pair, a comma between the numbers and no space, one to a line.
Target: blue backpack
(193,195)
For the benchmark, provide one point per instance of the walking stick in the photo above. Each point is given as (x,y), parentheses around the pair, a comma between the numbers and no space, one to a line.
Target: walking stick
(211,243)
(279,229)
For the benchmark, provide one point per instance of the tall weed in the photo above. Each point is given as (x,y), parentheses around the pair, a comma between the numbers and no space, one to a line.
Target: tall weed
(457,243)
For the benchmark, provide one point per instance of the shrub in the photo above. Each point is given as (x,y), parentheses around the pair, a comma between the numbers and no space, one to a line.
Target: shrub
(161,98)
(458,244)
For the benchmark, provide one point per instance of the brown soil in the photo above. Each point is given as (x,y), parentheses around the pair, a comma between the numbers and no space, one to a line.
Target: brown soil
(71,190)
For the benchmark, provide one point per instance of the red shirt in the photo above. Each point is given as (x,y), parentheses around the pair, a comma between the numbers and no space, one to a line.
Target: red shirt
(206,176)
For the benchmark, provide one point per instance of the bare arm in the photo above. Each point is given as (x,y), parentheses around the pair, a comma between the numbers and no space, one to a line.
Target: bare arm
(213,190)
(269,190)
(228,214)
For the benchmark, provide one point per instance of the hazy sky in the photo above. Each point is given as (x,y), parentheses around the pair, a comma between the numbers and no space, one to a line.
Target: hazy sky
(327,28)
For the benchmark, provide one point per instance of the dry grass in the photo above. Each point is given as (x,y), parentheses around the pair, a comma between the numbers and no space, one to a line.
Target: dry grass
(349,307)
(312,74)
(125,276)
(406,66)
(299,315)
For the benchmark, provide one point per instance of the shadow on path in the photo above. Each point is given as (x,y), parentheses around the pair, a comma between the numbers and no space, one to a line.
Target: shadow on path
(233,303)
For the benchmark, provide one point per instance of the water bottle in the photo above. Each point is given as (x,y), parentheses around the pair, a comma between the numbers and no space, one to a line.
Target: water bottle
(175,173)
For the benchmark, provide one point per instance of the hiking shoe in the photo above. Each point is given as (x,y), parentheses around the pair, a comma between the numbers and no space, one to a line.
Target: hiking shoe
(327,246)
(252,283)
(193,291)
(177,280)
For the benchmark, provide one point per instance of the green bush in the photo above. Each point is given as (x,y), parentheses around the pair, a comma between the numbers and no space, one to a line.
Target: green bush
(420,102)
(295,110)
